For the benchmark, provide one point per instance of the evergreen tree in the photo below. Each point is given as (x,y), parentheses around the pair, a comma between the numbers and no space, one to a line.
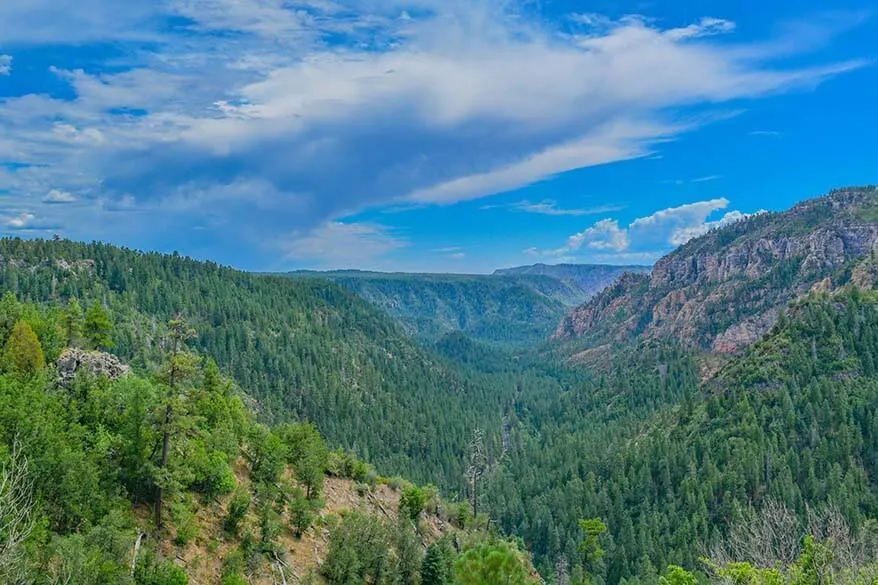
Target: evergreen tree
(180,367)
(492,562)
(98,327)
(73,322)
(23,353)
(438,566)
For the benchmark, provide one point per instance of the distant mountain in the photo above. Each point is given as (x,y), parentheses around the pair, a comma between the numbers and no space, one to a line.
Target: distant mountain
(517,306)
(589,278)
(726,289)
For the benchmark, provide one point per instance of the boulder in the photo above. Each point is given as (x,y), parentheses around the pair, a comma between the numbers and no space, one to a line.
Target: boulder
(96,363)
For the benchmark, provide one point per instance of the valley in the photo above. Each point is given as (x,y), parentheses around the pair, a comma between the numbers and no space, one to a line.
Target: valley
(587,423)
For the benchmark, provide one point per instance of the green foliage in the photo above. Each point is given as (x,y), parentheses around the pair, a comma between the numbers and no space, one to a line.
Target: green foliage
(590,546)
(305,349)
(73,322)
(308,453)
(301,511)
(267,454)
(412,502)
(98,327)
(238,507)
(438,566)
(358,551)
(10,313)
(184,521)
(493,561)
(155,573)
(666,461)
(23,353)
(270,522)
(677,576)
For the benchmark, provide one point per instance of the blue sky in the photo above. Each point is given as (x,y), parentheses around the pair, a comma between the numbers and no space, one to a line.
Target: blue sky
(426,135)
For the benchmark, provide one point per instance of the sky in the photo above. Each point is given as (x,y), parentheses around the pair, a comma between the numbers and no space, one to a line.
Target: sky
(426,135)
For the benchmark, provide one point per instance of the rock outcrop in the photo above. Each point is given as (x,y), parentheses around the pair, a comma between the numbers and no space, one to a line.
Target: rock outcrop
(726,289)
(96,363)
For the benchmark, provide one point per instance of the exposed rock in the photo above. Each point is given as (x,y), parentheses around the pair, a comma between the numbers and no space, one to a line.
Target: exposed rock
(726,289)
(744,333)
(97,363)
(823,286)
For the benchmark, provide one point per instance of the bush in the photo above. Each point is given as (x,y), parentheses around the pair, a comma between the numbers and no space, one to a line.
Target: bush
(237,510)
(185,522)
(160,574)
(412,502)
(301,512)
(213,474)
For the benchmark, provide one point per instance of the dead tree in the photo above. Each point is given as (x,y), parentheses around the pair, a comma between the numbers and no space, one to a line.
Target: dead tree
(477,466)
(16,515)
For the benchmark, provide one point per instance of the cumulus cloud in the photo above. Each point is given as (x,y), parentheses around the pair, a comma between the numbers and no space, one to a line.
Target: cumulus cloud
(323,108)
(5,64)
(645,237)
(604,235)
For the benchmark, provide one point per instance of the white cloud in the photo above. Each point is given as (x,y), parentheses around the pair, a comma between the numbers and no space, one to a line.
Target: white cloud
(5,64)
(645,237)
(58,196)
(342,245)
(550,207)
(458,101)
(19,221)
(766,133)
(705,27)
(604,235)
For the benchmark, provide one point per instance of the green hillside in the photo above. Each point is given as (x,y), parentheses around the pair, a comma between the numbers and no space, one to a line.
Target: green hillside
(162,477)
(303,349)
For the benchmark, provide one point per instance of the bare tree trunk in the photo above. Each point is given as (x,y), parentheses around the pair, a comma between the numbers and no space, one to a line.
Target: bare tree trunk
(137,544)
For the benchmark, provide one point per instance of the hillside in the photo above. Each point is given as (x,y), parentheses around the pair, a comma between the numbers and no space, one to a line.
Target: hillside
(517,306)
(724,290)
(303,349)
(116,477)
(670,463)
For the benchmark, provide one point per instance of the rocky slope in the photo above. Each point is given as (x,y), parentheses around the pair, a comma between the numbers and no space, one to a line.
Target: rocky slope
(726,289)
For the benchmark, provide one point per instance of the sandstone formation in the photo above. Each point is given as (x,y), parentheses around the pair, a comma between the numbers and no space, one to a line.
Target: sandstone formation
(726,289)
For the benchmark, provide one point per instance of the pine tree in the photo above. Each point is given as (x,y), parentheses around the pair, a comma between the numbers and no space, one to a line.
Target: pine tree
(180,366)
(23,353)
(73,322)
(98,327)
(438,565)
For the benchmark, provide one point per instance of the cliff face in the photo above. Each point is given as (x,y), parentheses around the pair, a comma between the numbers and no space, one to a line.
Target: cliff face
(726,289)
